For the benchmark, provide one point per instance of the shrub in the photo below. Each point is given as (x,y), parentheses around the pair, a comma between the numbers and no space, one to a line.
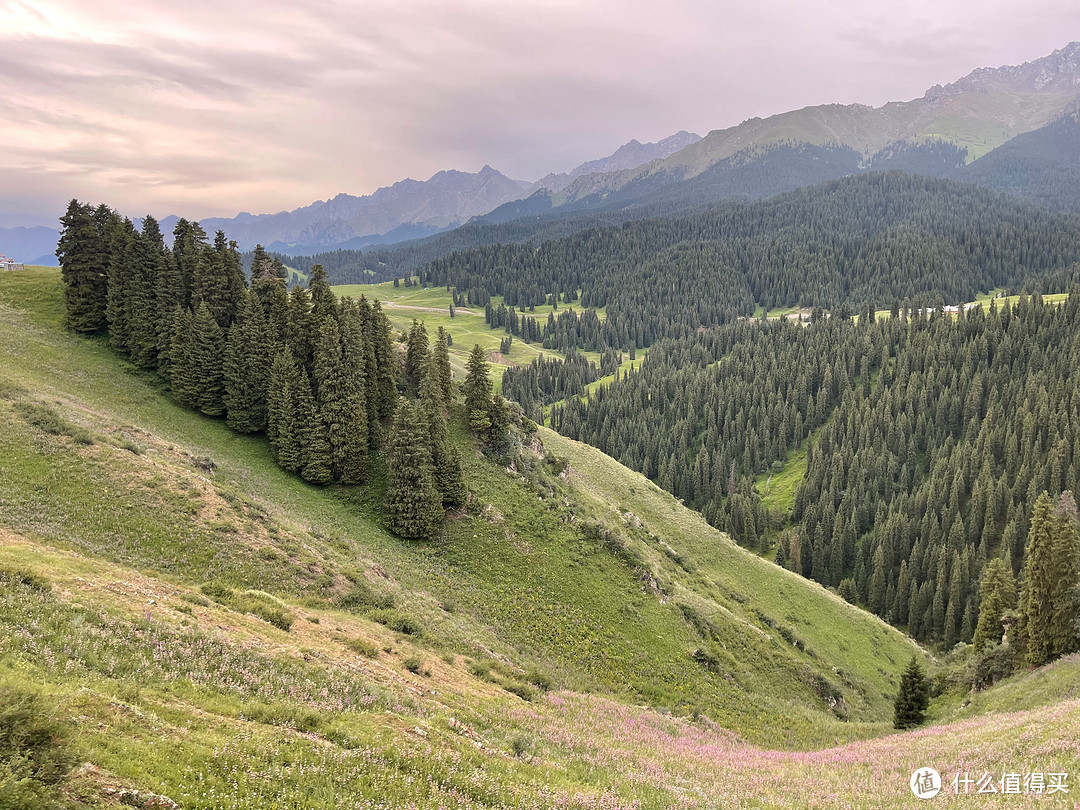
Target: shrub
(363,647)
(34,757)
(49,421)
(521,745)
(995,663)
(413,663)
(398,622)
(195,599)
(278,714)
(21,576)
(539,679)
(522,690)
(264,608)
(362,597)
(217,592)
(480,669)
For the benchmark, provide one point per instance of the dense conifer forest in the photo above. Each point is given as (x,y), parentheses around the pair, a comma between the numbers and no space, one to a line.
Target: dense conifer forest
(876,237)
(928,441)
(323,378)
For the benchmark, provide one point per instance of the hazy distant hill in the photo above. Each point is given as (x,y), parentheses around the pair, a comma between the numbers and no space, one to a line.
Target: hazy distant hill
(446,199)
(630,155)
(29,245)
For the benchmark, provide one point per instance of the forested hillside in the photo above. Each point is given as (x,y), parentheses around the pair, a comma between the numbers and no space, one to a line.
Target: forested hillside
(877,237)
(925,442)
(320,377)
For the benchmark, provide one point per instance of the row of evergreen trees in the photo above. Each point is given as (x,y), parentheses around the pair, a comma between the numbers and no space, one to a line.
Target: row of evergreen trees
(320,376)
(927,442)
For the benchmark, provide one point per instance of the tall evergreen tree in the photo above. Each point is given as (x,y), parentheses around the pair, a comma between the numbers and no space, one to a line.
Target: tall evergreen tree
(909,709)
(212,282)
(997,595)
(1064,628)
(387,365)
(142,303)
(449,478)
(1039,585)
(333,394)
(279,422)
(119,237)
(416,355)
(246,369)
(168,294)
(84,263)
(477,386)
(182,372)
(441,361)
(413,501)
(189,243)
(301,331)
(323,301)
(207,354)
(355,359)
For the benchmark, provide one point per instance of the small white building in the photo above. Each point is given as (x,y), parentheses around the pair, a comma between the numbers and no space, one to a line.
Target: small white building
(10,264)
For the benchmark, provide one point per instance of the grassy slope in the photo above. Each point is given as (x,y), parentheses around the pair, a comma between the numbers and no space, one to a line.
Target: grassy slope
(467,327)
(124,537)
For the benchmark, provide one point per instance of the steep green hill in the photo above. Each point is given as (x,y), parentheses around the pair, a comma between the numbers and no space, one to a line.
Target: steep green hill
(229,636)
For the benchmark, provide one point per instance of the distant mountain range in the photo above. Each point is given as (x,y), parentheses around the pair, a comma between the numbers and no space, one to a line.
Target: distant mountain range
(1012,128)
(30,245)
(978,113)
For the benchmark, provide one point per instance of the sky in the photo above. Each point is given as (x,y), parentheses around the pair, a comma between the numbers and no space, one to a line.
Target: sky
(210,108)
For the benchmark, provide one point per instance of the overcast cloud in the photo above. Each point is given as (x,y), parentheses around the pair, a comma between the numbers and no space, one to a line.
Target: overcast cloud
(210,108)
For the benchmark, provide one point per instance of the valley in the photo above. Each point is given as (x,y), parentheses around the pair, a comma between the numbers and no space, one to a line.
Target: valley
(521,692)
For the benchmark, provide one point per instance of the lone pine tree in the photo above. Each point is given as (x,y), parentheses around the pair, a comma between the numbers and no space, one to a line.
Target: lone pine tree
(909,710)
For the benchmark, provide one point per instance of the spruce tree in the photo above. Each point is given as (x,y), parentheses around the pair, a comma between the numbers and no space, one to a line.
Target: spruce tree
(413,502)
(333,394)
(168,294)
(441,362)
(182,375)
(142,303)
(301,331)
(365,323)
(449,479)
(416,355)
(909,710)
(278,414)
(477,386)
(1037,591)
(247,369)
(207,354)
(355,355)
(323,301)
(211,282)
(386,363)
(189,244)
(119,237)
(1064,632)
(84,263)
(997,594)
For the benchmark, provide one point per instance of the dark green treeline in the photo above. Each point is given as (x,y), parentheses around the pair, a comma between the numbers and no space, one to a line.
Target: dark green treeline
(318,375)
(874,237)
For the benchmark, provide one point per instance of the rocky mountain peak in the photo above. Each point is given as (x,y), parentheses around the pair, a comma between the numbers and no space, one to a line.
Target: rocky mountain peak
(1059,70)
